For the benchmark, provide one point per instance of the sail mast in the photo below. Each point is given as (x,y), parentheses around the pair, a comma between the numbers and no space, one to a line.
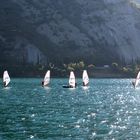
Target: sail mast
(6,78)
(47,78)
(72,79)
(85,78)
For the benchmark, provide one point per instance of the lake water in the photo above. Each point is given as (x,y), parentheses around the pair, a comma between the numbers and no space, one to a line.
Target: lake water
(108,110)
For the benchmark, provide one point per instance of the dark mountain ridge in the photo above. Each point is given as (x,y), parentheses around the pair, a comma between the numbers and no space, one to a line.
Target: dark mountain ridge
(51,31)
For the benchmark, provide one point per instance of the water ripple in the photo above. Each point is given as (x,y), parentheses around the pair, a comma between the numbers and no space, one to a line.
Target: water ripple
(109,109)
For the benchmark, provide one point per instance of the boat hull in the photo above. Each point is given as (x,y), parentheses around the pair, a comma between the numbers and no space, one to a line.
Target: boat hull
(67,86)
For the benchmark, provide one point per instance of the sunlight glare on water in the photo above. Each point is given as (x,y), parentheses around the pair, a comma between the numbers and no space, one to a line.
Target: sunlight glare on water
(107,109)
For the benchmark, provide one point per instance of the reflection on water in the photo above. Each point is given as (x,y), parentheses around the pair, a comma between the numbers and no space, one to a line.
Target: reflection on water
(107,109)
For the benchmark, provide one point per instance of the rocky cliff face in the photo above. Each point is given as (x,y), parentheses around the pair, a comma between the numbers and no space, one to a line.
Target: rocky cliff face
(98,31)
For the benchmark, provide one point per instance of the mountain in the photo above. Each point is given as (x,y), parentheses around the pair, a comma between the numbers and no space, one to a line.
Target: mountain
(43,31)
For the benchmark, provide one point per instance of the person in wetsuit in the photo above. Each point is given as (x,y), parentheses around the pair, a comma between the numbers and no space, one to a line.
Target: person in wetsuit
(133,83)
(84,84)
(4,84)
(42,83)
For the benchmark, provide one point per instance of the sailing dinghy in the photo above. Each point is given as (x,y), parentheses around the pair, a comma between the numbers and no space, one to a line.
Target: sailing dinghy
(72,81)
(46,80)
(85,78)
(6,78)
(136,82)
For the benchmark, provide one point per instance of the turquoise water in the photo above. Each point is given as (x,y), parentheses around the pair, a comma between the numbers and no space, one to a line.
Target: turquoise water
(108,110)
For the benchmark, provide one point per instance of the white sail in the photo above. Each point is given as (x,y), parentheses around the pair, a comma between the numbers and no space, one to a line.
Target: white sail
(137,79)
(85,78)
(6,78)
(47,78)
(72,79)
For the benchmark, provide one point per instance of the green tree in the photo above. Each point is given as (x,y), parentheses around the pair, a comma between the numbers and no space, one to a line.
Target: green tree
(81,65)
(70,68)
(125,69)
(115,67)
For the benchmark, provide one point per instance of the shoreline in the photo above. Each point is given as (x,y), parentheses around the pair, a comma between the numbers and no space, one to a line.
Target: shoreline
(77,77)
(95,73)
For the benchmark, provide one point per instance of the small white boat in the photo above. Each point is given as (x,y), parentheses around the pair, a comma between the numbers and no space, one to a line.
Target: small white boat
(46,80)
(6,78)
(72,81)
(136,82)
(85,78)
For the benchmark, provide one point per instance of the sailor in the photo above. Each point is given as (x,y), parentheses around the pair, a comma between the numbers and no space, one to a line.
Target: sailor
(84,84)
(4,84)
(70,86)
(42,83)
(133,83)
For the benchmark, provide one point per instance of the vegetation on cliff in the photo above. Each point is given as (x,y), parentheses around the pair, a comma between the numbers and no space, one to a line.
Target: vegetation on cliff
(112,70)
